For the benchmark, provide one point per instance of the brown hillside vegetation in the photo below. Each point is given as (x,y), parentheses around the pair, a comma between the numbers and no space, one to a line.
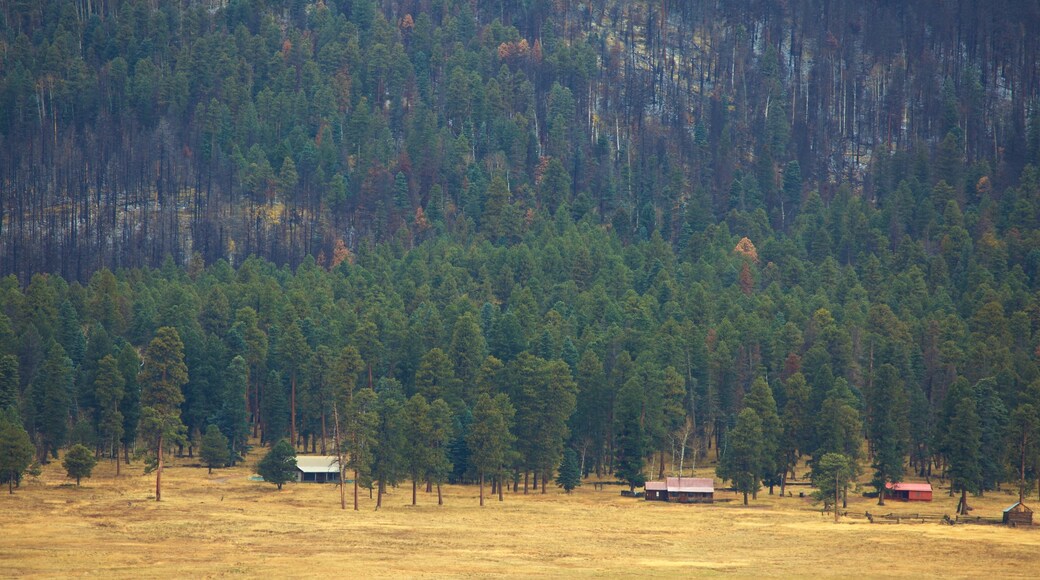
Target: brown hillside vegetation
(225,524)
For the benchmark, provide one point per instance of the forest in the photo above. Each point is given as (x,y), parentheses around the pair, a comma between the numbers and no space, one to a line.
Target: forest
(647,233)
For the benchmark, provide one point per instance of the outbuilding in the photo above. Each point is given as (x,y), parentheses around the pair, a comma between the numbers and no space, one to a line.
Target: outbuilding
(903,491)
(682,490)
(1018,515)
(317,468)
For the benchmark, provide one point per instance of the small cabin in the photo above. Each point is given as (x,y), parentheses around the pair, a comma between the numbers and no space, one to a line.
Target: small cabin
(682,490)
(317,468)
(1018,515)
(908,491)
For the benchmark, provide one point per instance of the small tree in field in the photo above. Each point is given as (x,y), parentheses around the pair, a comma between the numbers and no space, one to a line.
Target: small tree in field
(279,465)
(831,475)
(569,476)
(16,450)
(214,451)
(79,462)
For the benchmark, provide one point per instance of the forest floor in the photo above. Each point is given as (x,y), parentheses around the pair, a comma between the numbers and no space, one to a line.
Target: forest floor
(224,524)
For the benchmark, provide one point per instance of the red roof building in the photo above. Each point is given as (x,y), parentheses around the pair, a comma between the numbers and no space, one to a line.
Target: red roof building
(908,491)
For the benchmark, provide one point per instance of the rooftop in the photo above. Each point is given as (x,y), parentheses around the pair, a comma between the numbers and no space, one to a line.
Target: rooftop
(317,463)
(903,486)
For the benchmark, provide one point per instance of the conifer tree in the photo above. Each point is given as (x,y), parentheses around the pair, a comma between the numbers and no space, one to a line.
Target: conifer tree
(831,475)
(569,476)
(761,400)
(16,450)
(889,428)
(442,431)
(964,452)
(490,439)
(743,458)
(162,375)
(278,466)
(108,390)
(214,451)
(9,380)
(79,462)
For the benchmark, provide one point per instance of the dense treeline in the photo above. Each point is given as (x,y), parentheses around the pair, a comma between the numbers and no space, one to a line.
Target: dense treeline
(131,130)
(916,333)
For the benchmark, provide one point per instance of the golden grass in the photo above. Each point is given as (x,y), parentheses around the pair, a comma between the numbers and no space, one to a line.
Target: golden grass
(226,525)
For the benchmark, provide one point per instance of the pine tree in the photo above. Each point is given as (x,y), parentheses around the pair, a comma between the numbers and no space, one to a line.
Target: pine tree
(569,476)
(442,431)
(888,428)
(9,381)
(832,474)
(294,352)
(361,424)
(214,451)
(761,400)
(1024,433)
(79,462)
(490,439)
(743,458)
(108,390)
(279,465)
(52,394)
(16,450)
(964,451)
(417,432)
(162,375)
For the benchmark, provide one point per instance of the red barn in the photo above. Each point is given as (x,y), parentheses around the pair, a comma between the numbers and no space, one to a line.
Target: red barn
(908,491)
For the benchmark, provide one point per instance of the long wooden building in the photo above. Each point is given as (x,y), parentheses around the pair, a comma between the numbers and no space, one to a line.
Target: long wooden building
(908,491)
(681,490)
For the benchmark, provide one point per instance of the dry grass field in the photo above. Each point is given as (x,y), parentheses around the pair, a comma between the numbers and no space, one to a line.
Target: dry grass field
(226,525)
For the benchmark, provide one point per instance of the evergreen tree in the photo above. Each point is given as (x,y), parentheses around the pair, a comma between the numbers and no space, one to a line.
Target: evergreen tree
(417,431)
(233,417)
(294,352)
(52,399)
(832,474)
(214,451)
(278,466)
(993,425)
(889,429)
(442,431)
(162,375)
(388,459)
(489,438)
(16,450)
(761,400)
(109,392)
(79,462)
(130,405)
(964,451)
(742,461)
(9,382)
(569,476)
(632,444)
(1023,435)
(361,424)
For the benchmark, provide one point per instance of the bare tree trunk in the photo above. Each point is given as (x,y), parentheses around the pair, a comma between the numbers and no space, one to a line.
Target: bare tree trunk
(500,488)
(355,489)
(414,486)
(379,496)
(339,456)
(481,489)
(440,498)
(158,472)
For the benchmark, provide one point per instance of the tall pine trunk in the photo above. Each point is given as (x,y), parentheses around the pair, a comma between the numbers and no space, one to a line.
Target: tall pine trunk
(158,471)
(481,489)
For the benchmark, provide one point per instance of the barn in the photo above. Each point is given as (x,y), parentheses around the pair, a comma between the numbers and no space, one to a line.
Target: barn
(1018,515)
(682,490)
(908,491)
(317,468)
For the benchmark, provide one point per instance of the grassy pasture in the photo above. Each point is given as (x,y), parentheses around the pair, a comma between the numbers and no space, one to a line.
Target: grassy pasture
(226,525)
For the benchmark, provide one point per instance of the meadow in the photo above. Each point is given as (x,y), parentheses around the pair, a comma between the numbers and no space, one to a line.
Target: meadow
(224,524)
